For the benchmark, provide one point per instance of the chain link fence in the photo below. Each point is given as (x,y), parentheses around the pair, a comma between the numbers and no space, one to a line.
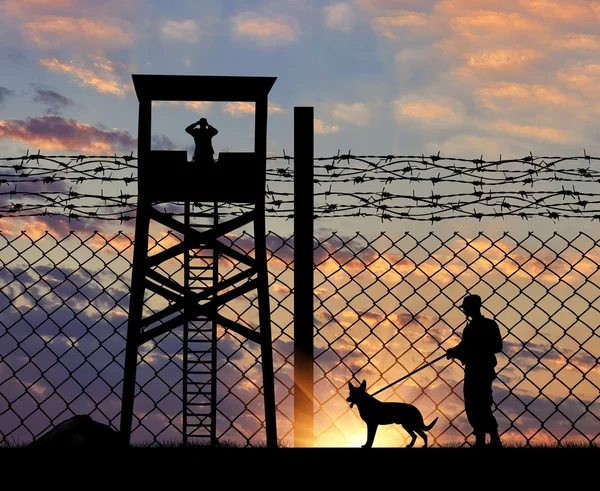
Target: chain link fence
(382,307)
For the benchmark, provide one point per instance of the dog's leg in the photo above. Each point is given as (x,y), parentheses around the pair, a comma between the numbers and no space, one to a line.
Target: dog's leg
(412,436)
(371,430)
(422,434)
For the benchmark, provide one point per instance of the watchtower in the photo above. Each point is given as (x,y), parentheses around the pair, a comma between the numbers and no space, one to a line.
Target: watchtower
(194,303)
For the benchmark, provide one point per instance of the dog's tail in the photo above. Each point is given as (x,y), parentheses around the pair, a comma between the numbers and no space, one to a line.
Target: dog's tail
(427,428)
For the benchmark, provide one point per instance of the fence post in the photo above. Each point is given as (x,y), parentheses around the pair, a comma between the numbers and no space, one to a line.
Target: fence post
(303,276)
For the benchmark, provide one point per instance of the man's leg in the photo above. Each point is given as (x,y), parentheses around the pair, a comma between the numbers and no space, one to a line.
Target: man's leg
(471,392)
(491,423)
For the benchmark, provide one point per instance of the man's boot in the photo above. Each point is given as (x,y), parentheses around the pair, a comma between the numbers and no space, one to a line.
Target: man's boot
(495,440)
(479,440)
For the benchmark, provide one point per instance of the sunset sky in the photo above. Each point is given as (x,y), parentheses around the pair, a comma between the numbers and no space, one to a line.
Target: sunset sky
(387,76)
(468,78)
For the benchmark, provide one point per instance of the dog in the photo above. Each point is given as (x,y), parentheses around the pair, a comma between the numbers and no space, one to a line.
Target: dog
(375,413)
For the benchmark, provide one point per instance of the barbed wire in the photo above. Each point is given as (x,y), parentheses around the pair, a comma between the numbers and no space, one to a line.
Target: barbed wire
(104,187)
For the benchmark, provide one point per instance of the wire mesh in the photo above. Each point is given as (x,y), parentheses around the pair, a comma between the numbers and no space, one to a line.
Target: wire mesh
(382,307)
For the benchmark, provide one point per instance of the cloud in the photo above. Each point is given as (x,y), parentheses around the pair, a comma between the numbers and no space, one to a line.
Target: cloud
(240,109)
(279,30)
(4,93)
(52,99)
(379,5)
(439,111)
(578,41)
(199,107)
(510,95)
(501,61)
(393,25)
(105,76)
(340,17)
(584,78)
(162,142)
(543,133)
(20,7)
(58,133)
(186,30)
(324,129)
(577,12)
(54,31)
(357,113)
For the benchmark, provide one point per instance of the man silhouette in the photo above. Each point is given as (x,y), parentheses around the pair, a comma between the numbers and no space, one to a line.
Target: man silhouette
(203,140)
(477,350)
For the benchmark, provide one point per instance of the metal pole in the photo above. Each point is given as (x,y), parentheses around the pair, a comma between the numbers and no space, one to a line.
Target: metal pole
(136,300)
(303,277)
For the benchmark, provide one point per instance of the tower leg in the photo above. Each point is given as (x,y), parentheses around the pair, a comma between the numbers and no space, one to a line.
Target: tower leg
(264,315)
(136,303)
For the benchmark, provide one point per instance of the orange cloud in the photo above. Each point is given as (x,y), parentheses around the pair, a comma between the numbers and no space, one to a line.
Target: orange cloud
(536,132)
(104,77)
(36,6)
(58,133)
(583,78)
(500,96)
(481,24)
(238,109)
(503,59)
(570,11)
(52,30)
(440,111)
(397,22)
(200,107)
(324,129)
(578,41)
(266,31)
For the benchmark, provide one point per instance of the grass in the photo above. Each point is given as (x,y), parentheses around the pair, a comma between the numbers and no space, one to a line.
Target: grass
(174,444)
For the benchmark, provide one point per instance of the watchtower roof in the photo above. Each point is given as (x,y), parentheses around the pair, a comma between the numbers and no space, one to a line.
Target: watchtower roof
(201,88)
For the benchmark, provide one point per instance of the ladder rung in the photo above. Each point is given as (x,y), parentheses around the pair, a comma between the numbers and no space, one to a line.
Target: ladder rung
(198,403)
(195,372)
(197,426)
(200,267)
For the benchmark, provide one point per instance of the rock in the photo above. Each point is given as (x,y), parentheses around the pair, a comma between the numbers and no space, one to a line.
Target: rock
(79,431)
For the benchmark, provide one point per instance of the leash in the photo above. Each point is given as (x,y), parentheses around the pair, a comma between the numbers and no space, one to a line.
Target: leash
(411,373)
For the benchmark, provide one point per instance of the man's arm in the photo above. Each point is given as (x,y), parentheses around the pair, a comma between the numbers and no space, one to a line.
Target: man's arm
(456,351)
(190,128)
(213,131)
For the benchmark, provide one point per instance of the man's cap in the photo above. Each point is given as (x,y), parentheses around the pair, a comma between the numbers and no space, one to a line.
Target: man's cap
(202,120)
(473,300)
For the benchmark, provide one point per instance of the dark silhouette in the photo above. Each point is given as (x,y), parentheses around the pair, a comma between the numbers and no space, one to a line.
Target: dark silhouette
(375,413)
(79,431)
(477,350)
(203,138)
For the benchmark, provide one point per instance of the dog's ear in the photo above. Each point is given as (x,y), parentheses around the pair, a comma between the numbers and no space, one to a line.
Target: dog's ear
(350,386)
(363,386)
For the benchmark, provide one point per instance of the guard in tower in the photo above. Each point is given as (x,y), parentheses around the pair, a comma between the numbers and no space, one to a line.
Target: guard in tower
(203,138)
